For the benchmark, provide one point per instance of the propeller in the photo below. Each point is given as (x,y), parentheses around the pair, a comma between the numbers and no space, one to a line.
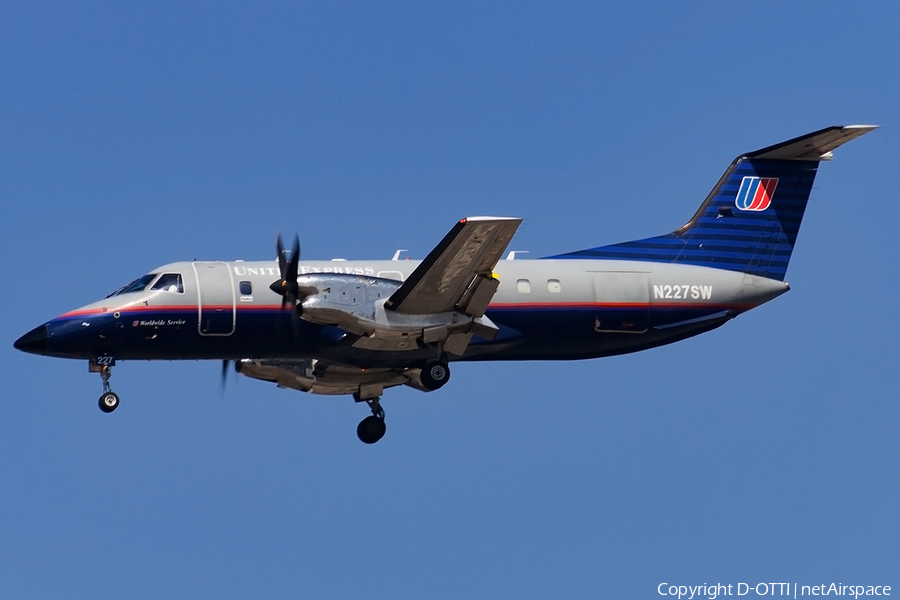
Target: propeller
(225,364)
(287,285)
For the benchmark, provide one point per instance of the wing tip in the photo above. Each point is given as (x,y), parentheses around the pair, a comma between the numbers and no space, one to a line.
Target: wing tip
(484,218)
(865,128)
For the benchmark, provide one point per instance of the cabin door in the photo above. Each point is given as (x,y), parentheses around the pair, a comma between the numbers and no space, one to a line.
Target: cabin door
(623,302)
(215,298)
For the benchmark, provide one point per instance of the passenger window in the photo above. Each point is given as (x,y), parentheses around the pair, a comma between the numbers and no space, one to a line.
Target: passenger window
(553,286)
(246,288)
(169,282)
(524,286)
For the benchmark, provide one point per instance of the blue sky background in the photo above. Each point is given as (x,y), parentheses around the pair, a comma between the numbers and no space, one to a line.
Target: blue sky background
(135,134)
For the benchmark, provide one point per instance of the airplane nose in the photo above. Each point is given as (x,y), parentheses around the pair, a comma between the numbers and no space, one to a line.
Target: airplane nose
(35,341)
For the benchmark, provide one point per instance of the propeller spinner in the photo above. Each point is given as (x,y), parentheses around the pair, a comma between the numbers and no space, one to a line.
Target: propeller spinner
(287,285)
(288,265)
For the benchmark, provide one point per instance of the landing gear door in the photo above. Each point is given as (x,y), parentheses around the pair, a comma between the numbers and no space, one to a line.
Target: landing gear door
(623,302)
(215,298)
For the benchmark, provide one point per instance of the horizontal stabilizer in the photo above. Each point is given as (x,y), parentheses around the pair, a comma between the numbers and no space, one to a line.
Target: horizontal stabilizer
(813,146)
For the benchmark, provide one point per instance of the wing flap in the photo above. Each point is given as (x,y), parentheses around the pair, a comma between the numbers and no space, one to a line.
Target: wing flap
(478,295)
(462,261)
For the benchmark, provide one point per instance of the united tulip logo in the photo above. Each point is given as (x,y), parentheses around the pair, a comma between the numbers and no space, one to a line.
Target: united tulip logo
(756,193)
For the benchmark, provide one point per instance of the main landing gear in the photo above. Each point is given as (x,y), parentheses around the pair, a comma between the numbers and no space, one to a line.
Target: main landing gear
(434,375)
(372,428)
(109,401)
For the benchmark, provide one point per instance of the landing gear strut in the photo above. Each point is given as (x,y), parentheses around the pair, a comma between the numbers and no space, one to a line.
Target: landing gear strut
(109,401)
(372,428)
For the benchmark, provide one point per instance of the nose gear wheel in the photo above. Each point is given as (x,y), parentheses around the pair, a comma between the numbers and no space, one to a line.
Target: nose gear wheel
(109,400)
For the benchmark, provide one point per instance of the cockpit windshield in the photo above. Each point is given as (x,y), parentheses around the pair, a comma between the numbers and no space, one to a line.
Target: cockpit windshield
(137,285)
(169,282)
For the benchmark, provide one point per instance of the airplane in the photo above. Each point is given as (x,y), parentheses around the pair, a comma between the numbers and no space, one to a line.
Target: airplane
(360,327)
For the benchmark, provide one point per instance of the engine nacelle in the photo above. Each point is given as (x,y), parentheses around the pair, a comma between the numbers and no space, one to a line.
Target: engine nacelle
(309,375)
(356,304)
(345,301)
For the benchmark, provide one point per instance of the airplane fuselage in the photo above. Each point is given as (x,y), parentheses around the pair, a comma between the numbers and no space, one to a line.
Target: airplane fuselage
(545,309)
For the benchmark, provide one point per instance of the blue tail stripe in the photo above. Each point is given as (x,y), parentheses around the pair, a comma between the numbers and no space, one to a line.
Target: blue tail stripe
(723,235)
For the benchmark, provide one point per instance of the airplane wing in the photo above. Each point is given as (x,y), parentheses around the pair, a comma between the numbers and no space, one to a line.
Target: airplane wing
(323,377)
(458,273)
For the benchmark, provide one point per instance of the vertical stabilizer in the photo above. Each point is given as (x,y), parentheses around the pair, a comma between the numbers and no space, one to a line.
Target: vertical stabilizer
(750,220)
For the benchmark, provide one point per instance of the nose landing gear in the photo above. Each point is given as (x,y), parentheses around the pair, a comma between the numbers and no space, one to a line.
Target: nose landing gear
(372,428)
(109,401)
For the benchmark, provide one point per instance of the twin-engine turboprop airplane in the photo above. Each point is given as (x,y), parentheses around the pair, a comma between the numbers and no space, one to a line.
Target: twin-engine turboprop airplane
(360,327)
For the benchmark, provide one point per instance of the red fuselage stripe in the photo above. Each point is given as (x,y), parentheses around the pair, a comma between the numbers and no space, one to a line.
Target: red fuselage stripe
(496,306)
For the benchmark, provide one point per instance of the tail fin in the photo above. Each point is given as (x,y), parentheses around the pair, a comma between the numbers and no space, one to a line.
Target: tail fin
(750,220)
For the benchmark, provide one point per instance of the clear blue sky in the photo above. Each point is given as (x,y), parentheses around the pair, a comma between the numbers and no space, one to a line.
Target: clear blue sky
(135,134)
